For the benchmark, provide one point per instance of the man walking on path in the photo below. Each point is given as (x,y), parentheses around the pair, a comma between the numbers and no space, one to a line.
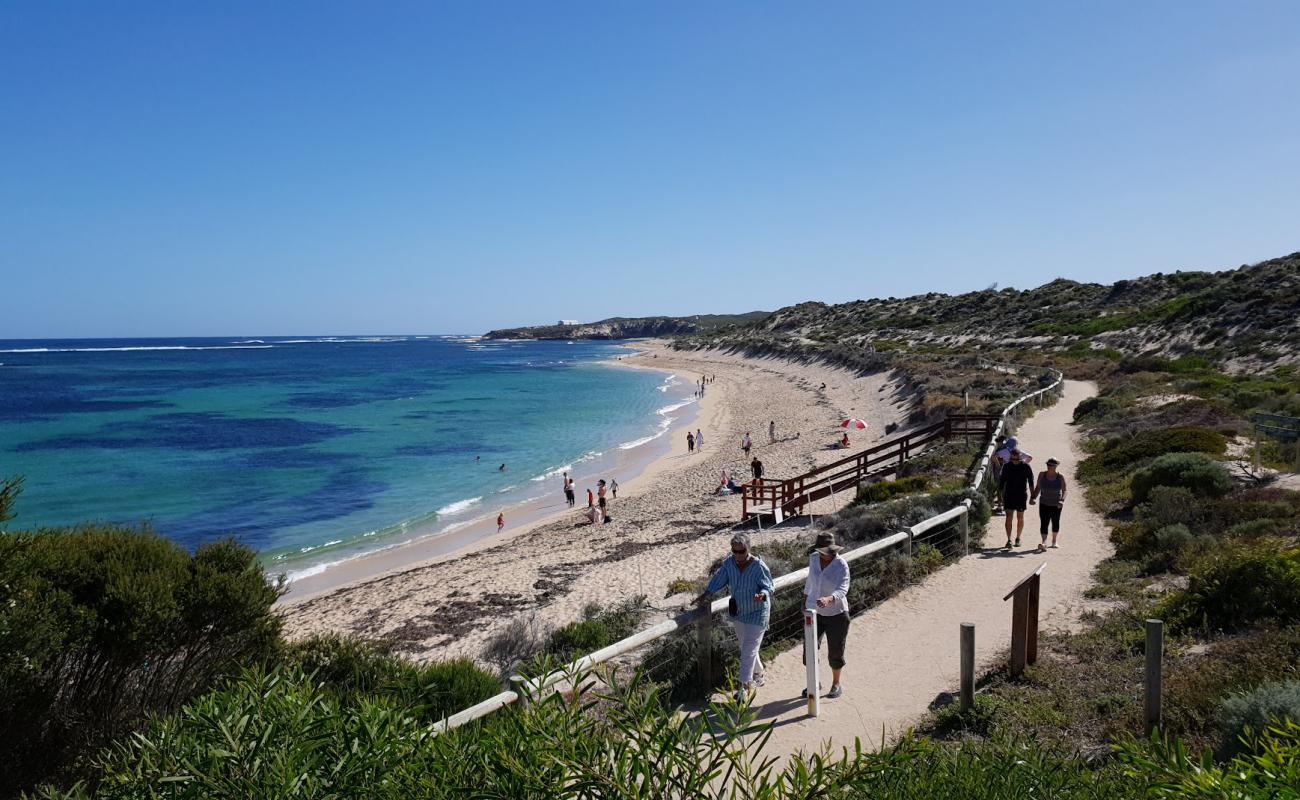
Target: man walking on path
(1015,483)
(756,469)
(1051,488)
(826,593)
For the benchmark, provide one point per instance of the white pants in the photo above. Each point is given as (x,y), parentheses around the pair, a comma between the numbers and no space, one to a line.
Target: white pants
(750,638)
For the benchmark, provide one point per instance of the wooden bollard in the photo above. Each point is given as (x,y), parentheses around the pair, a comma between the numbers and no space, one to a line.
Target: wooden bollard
(1155,656)
(1024,620)
(967,666)
(704,629)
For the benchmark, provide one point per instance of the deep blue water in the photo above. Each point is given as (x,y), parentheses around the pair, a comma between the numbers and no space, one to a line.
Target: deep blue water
(304,446)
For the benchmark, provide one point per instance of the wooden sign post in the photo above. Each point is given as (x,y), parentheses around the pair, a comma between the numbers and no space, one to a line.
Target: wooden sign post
(1024,621)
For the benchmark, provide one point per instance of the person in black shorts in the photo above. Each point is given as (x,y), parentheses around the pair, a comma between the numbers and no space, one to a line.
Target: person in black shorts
(826,593)
(1015,482)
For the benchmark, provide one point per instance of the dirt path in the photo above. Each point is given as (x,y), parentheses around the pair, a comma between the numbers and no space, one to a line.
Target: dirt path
(904,652)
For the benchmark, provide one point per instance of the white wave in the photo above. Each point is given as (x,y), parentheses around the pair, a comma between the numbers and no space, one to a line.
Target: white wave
(666,410)
(458,506)
(250,341)
(130,349)
(560,470)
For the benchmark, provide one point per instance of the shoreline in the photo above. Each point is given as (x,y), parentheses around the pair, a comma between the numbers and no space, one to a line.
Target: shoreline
(667,522)
(467,536)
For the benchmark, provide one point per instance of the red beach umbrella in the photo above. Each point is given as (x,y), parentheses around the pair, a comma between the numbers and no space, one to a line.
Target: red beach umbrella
(854,423)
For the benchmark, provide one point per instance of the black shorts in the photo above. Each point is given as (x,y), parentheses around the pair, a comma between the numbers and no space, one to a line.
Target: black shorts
(836,630)
(601,501)
(1013,503)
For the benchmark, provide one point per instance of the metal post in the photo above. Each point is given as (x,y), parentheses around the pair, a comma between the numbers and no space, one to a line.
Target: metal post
(967,666)
(810,660)
(1155,653)
(704,627)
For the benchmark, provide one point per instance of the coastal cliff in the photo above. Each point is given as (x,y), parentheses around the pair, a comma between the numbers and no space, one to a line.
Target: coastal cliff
(632,327)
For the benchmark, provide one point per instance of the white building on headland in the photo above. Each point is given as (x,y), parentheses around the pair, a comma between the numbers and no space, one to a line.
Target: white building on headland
(569,322)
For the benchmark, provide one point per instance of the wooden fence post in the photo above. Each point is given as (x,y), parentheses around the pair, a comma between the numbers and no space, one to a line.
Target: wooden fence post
(705,633)
(1019,607)
(967,666)
(1155,656)
(1024,620)
(1031,621)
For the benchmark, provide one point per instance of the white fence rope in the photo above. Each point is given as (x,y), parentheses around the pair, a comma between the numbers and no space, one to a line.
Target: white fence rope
(789,579)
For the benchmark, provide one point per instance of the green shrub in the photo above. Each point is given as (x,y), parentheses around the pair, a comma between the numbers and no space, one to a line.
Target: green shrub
(1245,716)
(354,670)
(600,629)
(1254,529)
(1169,505)
(1167,546)
(1122,454)
(888,490)
(1197,472)
(101,626)
(926,558)
(1241,585)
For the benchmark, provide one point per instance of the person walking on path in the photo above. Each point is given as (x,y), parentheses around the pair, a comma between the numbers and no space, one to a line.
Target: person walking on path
(613,487)
(690,442)
(1015,483)
(995,469)
(746,443)
(699,439)
(826,592)
(501,521)
(756,469)
(568,490)
(771,431)
(1051,488)
(750,582)
(600,500)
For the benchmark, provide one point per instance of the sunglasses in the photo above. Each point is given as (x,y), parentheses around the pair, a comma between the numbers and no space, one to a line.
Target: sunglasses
(740,552)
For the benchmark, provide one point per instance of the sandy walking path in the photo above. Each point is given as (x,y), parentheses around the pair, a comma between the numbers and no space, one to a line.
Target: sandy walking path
(904,652)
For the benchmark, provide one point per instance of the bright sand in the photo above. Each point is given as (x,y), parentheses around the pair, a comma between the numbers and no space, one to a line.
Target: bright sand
(446,599)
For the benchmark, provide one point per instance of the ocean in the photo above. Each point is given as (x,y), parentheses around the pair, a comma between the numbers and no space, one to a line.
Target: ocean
(314,449)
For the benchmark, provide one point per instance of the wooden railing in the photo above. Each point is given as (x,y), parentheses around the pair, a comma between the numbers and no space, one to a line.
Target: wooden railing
(789,496)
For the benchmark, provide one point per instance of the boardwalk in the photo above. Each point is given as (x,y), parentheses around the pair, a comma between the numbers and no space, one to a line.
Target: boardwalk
(904,652)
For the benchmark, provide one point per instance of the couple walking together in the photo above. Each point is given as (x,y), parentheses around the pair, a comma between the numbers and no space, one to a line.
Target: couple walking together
(750,581)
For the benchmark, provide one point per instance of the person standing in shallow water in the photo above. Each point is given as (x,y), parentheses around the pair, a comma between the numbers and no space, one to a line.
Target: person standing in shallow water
(1050,490)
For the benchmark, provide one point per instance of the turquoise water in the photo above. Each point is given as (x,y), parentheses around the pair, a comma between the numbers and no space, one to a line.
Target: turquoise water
(310,447)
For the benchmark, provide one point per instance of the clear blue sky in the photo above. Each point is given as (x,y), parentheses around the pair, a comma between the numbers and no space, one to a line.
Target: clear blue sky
(327,167)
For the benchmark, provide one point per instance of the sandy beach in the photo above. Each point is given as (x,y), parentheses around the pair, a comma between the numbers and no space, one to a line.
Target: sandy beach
(667,521)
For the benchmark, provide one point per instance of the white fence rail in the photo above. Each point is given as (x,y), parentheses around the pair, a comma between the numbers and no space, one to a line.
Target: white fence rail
(687,619)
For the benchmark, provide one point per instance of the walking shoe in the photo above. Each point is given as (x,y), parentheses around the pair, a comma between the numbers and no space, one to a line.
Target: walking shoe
(1042,548)
(804,693)
(1008,544)
(835,692)
(1017,541)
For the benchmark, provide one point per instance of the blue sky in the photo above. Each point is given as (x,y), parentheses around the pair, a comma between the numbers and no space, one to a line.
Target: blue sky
(328,167)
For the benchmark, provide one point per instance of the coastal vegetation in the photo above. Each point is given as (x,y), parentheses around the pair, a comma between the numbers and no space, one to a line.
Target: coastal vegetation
(632,327)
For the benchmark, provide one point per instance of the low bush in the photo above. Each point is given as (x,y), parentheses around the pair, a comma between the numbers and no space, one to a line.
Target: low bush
(518,642)
(1243,717)
(102,626)
(888,490)
(1170,505)
(1120,455)
(356,670)
(1240,585)
(1197,472)
(600,629)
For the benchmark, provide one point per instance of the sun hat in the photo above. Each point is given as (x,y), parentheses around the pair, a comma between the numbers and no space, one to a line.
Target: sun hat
(825,545)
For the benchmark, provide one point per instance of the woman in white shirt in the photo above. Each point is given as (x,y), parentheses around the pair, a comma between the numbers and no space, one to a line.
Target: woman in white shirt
(826,594)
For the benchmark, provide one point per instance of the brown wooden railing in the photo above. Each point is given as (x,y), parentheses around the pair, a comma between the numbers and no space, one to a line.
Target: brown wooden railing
(791,495)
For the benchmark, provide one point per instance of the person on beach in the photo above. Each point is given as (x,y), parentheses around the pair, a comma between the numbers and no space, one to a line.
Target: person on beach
(745,443)
(699,439)
(613,487)
(756,469)
(826,591)
(501,521)
(600,500)
(1051,488)
(690,442)
(750,582)
(844,441)
(591,498)
(1015,484)
(771,431)
(568,490)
